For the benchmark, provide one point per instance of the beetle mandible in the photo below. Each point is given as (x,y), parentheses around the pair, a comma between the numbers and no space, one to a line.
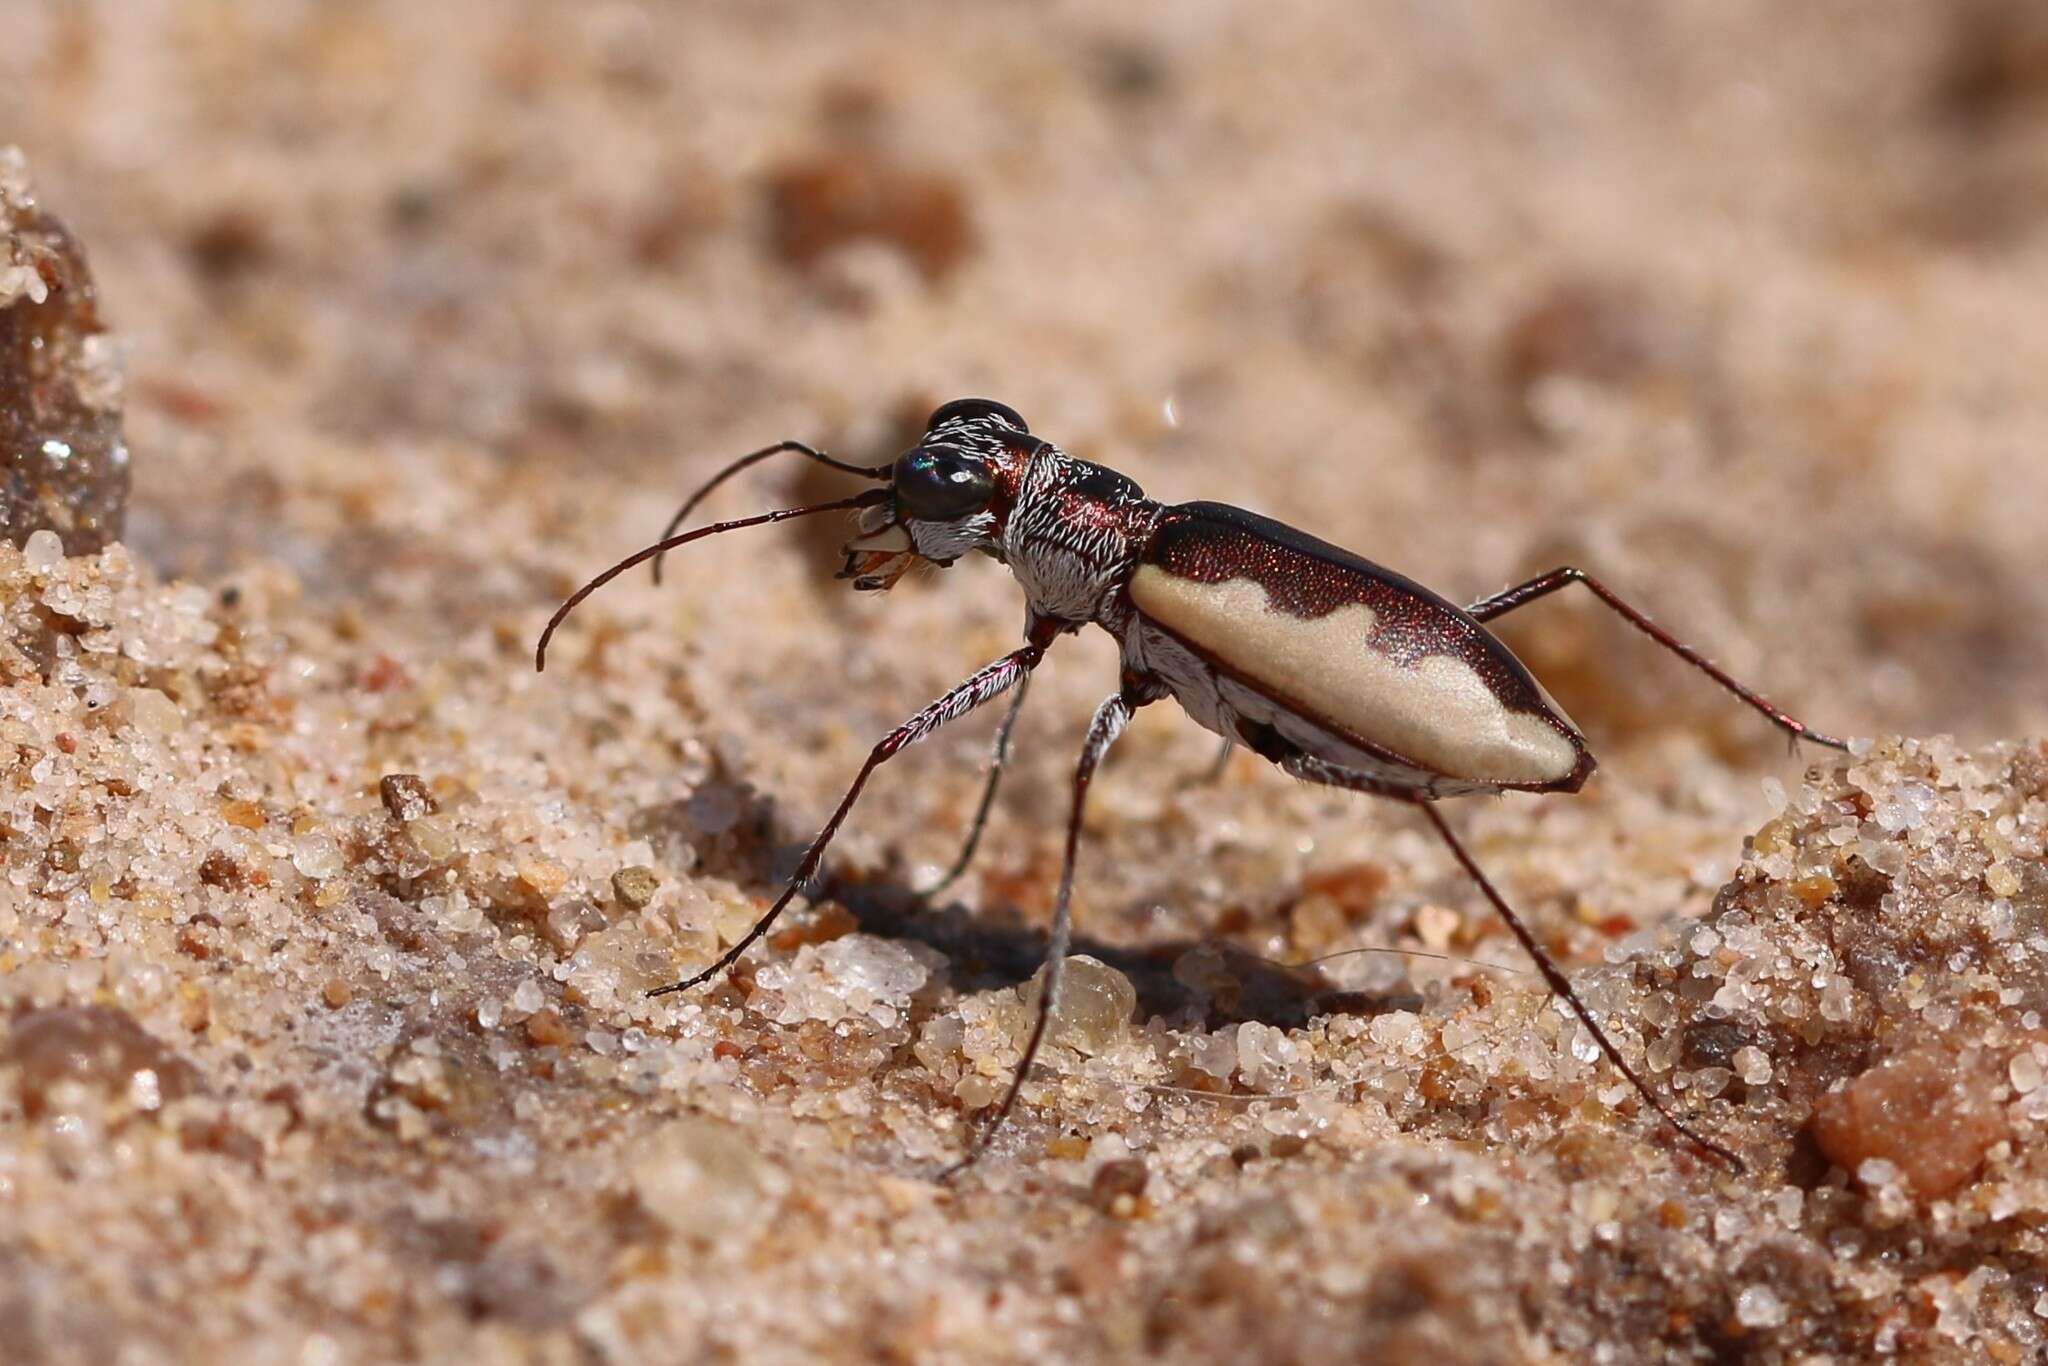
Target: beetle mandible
(1337,671)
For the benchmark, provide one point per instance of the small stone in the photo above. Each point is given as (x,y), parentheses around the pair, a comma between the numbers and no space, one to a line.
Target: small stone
(1095,1005)
(1759,1307)
(569,922)
(1265,1054)
(316,856)
(2002,879)
(1216,1054)
(872,971)
(1437,925)
(938,1043)
(1067,1148)
(544,876)
(526,997)
(1814,890)
(406,796)
(635,886)
(547,1029)
(336,993)
(153,713)
(732,918)
(977,1092)
(1929,1114)
(1116,1186)
(433,838)
(44,550)
(242,815)
(855,977)
(1753,1065)
(703,1178)
(1394,1028)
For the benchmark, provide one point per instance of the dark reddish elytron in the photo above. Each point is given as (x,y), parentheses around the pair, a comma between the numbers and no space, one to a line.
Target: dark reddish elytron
(1335,670)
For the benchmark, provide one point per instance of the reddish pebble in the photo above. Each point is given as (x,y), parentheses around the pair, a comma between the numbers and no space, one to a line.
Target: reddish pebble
(1931,1112)
(546,1029)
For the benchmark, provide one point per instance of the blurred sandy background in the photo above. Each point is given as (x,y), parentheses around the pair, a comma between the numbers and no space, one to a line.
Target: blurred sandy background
(432,309)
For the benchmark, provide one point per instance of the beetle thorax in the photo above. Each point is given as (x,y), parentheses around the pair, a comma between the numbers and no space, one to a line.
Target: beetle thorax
(1073,535)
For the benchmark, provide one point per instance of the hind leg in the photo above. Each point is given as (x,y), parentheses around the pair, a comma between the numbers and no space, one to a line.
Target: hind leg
(1316,771)
(1508,599)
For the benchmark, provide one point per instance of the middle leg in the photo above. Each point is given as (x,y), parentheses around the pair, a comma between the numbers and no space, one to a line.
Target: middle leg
(1110,719)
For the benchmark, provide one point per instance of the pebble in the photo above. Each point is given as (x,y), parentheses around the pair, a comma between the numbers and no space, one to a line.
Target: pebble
(316,856)
(703,1178)
(1758,1306)
(1095,1005)
(635,886)
(406,796)
(43,550)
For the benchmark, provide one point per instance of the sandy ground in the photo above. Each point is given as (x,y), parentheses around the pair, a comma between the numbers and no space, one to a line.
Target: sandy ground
(325,922)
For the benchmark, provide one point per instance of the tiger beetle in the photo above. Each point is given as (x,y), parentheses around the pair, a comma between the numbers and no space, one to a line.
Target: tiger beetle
(1334,669)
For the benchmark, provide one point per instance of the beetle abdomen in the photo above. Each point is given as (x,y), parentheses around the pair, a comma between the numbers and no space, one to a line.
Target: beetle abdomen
(1353,648)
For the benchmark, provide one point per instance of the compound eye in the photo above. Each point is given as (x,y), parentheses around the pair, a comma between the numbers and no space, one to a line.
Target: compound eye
(941,485)
(971,408)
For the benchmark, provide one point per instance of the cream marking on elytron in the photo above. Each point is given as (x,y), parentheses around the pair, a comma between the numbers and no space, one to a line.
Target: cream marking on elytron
(1438,712)
(1330,667)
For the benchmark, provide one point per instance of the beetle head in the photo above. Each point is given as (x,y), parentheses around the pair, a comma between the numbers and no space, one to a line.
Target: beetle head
(950,493)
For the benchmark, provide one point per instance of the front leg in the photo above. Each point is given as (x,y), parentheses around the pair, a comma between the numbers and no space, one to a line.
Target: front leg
(993,681)
(997,763)
(1507,600)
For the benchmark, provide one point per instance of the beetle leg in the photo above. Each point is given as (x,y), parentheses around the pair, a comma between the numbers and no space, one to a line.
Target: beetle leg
(993,680)
(1507,600)
(1109,722)
(1213,774)
(1316,771)
(997,762)
(1561,985)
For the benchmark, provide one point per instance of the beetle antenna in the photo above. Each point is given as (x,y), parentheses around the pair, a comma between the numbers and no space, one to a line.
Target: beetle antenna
(754,458)
(668,543)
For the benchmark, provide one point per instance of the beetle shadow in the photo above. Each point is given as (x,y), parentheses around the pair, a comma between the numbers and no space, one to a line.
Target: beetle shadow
(991,948)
